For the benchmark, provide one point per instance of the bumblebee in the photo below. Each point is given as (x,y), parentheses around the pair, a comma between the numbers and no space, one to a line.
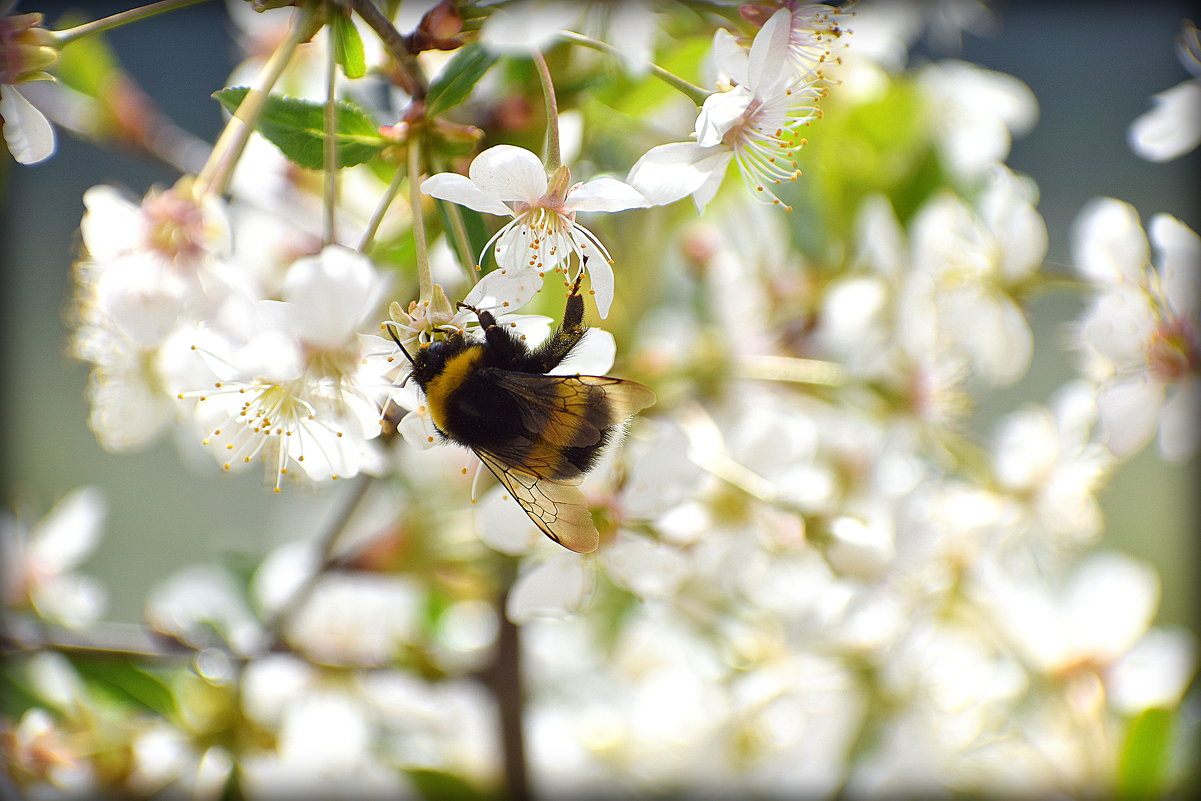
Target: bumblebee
(539,434)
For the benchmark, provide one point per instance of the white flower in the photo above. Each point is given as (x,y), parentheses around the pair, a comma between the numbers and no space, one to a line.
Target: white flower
(1142,332)
(28,133)
(526,26)
(976,112)
(1173,126)
(296,382)
(39,561)
(543,234)
(753,122)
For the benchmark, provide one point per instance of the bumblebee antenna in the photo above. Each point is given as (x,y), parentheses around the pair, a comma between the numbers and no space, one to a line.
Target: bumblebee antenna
(396,339)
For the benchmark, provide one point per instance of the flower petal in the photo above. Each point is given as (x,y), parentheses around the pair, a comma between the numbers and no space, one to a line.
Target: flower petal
(1108,243)
(768,69)
(1129,414)
(504,290)
(668,173)
(459,189)
(605,194)
(721,111)
(1172,127)
(509,173)
(332,293)
(29,135)
(1179,430)
(1179,264)
(600,274)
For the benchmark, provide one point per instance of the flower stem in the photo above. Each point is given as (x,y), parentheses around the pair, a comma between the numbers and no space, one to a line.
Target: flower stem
(381,208)
(553,158)
(425,279)
(69,35)
(330,146)
(695,93)
(459,232)
(216,172)
(275,626)
(411,75)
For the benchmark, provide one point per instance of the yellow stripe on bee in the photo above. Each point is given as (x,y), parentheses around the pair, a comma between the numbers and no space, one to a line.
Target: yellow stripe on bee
(443,385)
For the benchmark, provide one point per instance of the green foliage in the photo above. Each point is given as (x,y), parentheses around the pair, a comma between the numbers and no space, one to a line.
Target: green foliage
(348,46)
(1143,761)
(127,683)
(297,128)
(455,82)
(434,785)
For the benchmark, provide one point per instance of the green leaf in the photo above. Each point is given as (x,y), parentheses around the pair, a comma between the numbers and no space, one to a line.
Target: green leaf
(126,682)
(297,128)
(458,78)
(16,696)
(434,785)
(348,46)
(1143,761)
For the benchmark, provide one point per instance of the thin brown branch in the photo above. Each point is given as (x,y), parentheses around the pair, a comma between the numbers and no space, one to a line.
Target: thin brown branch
(411,76)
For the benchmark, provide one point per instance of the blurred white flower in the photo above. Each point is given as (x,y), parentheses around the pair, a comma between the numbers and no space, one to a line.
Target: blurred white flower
(543,234)
(1050,461)
(1142,331)
(294,383)
(27,132)
(199,601)
(752,120)
(976,113)
(1173,126)
(40,560)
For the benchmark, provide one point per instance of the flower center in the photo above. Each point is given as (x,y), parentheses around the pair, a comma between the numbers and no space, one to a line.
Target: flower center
(1173,351)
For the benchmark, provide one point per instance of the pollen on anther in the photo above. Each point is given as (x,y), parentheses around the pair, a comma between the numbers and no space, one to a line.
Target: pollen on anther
(300,458)
(225,466)
(429,439)
(277,489)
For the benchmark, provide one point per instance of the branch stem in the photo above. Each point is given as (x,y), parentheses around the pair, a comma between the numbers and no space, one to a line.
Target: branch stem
(381,208)
(215,174)
(425,279)
(553,158)
(329,153)
(68,35)
(412,76)
(695,93)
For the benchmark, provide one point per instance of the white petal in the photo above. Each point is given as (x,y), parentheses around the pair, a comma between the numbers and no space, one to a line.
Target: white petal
(504,526)
(769,69)
(509,173)
(1155,672)
(668,173)
(553,588)
(504,290)
(29,135)
(111,224)
(460,189)
(1129,414)
(648,569)
(604,194)
(418,430)
(69,532)
(527,25)
(1180,425)
(71,599)
(1109,604)
(721,112)
(600,276)
(593,355)
(1179,260)
(1172,127)
(1108,243)
(332,293)
(729,58)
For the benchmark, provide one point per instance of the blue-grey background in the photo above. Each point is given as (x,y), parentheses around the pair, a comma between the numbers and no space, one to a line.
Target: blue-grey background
(1093,67)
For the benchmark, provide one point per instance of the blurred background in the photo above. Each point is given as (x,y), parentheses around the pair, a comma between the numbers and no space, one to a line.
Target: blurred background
(1092,66)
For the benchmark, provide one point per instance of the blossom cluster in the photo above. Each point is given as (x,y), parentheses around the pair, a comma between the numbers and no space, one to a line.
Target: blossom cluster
(820,572)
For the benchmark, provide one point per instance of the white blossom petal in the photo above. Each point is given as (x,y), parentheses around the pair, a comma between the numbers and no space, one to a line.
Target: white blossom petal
(509,173)
(769,68)
(668,173)
(1180,423)
(69,533)
(552,588)
(332,293)
(1179,251)
(29,135)
(1173,125)
(600,274)
(1108,243)
(460,189)
(1129,414)
(604,194)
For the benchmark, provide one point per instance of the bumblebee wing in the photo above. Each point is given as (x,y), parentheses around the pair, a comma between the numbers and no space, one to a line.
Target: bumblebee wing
(557,508)
(573,410)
